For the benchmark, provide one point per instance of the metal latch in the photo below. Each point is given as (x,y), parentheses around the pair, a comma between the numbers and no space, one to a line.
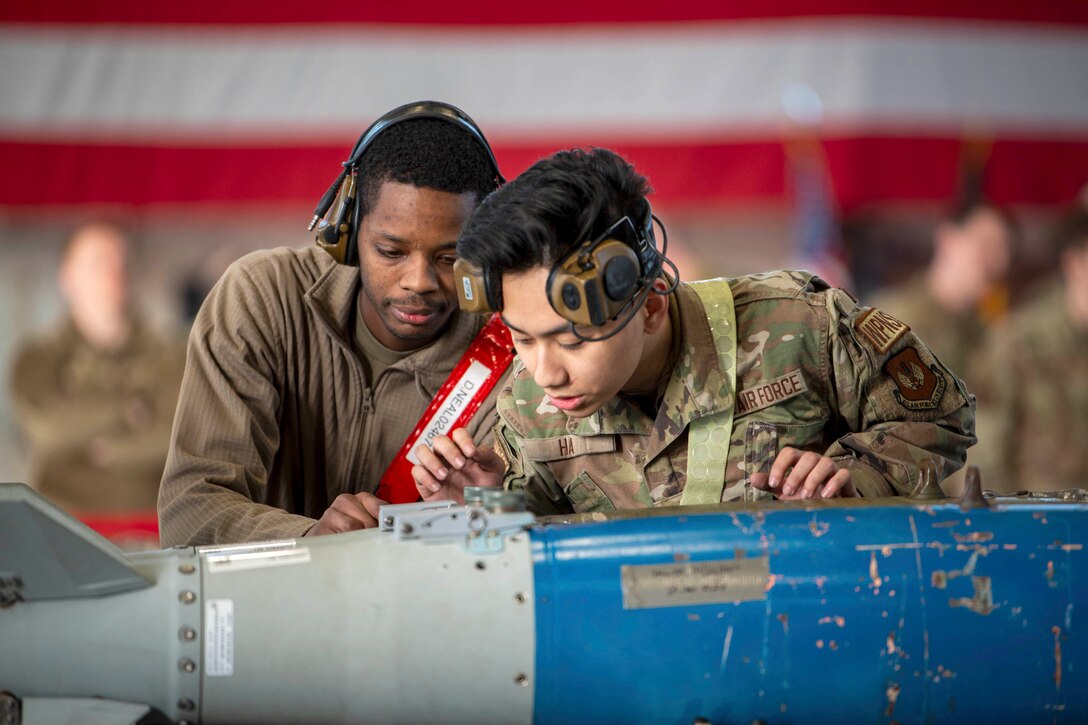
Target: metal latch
(488,517)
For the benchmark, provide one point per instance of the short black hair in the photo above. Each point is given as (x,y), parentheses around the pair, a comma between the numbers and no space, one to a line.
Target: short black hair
(558,202)
(426,153)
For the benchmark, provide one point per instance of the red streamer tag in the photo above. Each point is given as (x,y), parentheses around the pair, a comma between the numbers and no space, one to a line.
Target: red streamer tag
(466,388)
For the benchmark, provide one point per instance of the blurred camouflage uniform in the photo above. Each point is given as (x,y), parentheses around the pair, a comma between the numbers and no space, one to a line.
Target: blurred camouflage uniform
(1033,401)
(956,339)
(811,373)
(98,421)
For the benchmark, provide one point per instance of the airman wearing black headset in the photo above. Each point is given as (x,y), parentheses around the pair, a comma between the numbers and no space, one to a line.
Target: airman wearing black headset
(309,369)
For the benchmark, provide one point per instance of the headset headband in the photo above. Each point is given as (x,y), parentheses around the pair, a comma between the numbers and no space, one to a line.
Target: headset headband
(424,109)
(337,235)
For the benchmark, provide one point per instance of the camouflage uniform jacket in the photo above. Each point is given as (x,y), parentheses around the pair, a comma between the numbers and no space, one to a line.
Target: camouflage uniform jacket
(814,371)
(1034,401)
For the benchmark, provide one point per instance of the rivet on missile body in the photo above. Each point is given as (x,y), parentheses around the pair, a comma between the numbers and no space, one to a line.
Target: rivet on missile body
(186,634)
(186,568)
(186,597)
(388,521)
(186,665)
(520,598)
(186,704)
(406,529)
(521,679)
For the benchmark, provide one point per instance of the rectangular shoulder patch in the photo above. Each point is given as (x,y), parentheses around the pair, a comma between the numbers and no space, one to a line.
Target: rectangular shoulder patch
(767,394)
(880,329)
(560,447)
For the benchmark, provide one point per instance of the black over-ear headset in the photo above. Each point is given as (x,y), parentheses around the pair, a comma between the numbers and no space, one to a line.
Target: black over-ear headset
(337,231)
(594,282)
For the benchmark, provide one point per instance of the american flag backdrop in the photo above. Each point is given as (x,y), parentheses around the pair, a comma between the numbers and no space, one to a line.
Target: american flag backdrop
(217,125)
(202,103)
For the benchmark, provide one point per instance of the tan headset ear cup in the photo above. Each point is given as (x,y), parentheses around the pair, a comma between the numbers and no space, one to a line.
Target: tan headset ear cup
(577,290)
(335,236)
(472,287)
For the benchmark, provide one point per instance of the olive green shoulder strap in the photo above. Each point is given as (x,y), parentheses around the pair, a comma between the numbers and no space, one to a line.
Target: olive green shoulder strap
(708,437)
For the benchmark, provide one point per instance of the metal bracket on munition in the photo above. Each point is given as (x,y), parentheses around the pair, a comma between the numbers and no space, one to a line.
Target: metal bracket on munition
(483,523)
(387,515)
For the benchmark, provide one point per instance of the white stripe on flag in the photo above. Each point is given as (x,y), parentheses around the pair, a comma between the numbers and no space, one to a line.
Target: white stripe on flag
(153,81)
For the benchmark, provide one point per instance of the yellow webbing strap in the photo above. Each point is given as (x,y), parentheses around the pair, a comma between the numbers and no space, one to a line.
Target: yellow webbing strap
(708,437)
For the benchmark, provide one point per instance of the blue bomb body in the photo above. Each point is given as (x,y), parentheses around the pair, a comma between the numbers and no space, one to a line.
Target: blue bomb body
(844,611)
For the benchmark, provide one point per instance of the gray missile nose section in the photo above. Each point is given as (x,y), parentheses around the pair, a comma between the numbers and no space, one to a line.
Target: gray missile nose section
(46,554)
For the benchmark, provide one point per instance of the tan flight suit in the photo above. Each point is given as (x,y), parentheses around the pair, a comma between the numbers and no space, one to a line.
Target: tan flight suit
(98,422)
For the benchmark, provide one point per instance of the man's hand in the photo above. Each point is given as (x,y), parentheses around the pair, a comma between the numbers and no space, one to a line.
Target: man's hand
(804,474)
(453,462)
(349,512)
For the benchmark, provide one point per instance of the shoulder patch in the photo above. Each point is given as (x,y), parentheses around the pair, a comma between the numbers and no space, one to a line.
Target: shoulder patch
(917,387)
(561,447)
(880,329)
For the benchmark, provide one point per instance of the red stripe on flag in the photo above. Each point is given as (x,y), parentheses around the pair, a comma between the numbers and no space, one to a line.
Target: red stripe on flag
(495,12)
(863,170)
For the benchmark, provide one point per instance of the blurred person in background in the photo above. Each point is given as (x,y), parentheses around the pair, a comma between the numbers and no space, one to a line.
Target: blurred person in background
(1033,393)
(951,302)
(95,396)
(309,369)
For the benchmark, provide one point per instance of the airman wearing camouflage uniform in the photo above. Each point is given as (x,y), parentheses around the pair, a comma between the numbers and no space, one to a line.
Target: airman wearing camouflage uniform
(957,338)
(1036,395)
(722,390)
(815,371)
(953,302)
(1033,394)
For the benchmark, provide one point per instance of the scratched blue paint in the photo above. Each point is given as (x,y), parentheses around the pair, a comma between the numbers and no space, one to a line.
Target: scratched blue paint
(899,613)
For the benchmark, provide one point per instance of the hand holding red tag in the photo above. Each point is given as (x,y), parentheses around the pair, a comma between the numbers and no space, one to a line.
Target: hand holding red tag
(472,379)
(453,462)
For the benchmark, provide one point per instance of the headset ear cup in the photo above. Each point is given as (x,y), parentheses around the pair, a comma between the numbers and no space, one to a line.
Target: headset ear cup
(620,278)
(475,288)
(335,234)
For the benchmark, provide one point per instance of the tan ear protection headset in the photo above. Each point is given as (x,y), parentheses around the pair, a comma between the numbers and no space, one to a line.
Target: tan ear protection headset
(336,230)
(593,283)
